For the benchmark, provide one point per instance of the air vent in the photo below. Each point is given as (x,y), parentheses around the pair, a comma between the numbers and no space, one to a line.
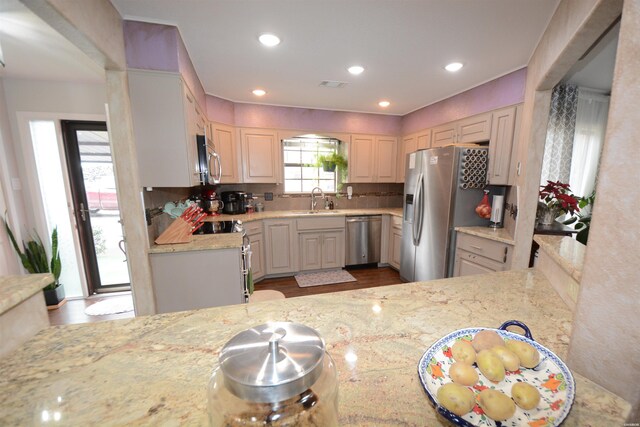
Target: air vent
(333,84)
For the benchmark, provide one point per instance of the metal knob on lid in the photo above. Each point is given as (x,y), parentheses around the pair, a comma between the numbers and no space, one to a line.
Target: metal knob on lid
(272,362)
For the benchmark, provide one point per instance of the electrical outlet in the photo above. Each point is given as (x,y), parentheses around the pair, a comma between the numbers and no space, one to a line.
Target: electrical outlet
(268,196)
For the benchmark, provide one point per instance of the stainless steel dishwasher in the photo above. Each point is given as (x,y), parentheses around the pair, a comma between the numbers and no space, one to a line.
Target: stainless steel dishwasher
(363,239)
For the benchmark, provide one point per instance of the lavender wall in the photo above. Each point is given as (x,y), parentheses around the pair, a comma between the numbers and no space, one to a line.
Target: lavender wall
(501,92)
(220,110)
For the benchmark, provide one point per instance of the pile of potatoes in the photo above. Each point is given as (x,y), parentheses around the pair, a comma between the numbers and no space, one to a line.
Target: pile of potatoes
(493,356)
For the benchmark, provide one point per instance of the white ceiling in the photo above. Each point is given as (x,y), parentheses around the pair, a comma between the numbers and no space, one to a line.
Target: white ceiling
(403,44)
(34,50)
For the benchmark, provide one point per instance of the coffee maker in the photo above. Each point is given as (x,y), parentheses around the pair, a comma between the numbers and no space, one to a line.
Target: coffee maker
(234,202)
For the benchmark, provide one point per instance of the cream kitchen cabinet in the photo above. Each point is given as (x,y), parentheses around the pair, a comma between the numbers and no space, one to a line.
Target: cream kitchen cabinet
(256,239)
(501,146)
(226,144)
(395,241)
(477,255)
(281,246)
(410,144)
(166,120)
(465,131)
(261,157)
(372,158)
(321,242)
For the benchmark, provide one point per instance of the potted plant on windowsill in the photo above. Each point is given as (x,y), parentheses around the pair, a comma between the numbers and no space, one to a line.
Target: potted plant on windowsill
(329,162)
(555,199)
(34,259)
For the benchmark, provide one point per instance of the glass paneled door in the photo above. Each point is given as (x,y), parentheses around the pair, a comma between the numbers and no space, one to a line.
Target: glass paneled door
(95,202)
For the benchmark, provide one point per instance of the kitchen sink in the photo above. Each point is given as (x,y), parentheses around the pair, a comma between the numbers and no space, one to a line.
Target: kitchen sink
(325,212)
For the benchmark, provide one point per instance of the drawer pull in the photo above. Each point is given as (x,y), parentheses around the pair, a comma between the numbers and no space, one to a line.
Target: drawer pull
(505,254)
(476,247)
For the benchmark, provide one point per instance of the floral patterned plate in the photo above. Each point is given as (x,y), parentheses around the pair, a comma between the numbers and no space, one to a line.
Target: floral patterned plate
(551,377)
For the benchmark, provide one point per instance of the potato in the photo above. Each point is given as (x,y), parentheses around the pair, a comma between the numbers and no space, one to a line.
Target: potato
(497,405)
(456,398)
(510,360)
(464,374)
(490,365)
(529,356)
(463,352)
(486,339)
(525,395)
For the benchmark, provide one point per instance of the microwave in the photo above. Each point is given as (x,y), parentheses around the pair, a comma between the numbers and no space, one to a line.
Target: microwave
(208,161)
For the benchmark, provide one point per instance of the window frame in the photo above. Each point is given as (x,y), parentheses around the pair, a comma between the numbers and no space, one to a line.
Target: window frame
(339,148)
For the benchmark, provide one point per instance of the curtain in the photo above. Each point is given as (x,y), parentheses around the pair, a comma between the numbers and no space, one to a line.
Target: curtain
(556,163)
(590,126)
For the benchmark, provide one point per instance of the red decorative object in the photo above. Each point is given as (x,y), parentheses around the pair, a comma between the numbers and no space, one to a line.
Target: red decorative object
(484,208)
(557,195)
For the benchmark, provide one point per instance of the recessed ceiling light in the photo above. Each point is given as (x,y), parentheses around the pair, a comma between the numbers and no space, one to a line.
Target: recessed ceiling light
(259,92)
(269,40)
(384,104)
(355,70)
(453,67)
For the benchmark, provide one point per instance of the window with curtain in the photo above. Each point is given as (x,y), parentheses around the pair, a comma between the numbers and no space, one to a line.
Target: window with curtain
(301,172)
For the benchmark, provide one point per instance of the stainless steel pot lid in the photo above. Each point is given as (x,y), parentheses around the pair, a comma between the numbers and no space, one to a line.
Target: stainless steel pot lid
(272,362)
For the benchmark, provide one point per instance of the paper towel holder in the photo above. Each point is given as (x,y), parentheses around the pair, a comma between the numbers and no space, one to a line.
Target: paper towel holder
(497,208)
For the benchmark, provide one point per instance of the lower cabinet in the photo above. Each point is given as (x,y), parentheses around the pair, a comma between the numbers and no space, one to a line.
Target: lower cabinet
(321,243)
(281,246)
(395,241)
(477,255)
(197,279)
(256,239)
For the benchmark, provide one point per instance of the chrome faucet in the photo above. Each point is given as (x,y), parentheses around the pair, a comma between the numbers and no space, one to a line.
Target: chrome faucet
(313,197)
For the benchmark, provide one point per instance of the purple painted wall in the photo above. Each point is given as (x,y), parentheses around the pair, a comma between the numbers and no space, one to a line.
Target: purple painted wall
(220,110)
(501,92)
(160,48)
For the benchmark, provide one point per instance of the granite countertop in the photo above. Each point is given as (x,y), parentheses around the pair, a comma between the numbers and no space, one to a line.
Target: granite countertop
(154,370)
(15,289)
(566,251)
(256,216)
(201,242)
(497,234)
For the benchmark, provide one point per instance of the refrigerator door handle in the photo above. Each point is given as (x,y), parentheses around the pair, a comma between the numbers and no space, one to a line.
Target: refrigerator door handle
(417,212)
(420,210)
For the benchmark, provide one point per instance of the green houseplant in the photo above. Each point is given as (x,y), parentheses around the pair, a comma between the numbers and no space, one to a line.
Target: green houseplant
(34,259)
(329,162)
(582,219)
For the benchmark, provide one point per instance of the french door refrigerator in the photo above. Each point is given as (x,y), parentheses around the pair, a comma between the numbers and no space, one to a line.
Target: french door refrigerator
(442,188)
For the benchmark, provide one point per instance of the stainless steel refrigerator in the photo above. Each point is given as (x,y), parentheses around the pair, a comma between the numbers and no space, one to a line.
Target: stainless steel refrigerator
(442,188)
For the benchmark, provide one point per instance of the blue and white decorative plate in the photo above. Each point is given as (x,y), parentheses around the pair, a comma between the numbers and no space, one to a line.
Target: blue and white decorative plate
(551,377)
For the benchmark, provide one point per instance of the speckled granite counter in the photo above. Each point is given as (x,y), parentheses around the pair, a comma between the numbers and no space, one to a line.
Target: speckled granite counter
(201,243)
(566,251)
(154,370)
(305,214)
(497,234)
(16,289)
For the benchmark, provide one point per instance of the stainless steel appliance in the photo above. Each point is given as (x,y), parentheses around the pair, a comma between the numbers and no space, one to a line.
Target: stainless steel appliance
(209,161)
(442,188)
(235,202)
(363,239)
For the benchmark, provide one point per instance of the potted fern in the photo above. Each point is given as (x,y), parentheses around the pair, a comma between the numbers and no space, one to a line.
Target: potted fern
(34,260)
(330,161)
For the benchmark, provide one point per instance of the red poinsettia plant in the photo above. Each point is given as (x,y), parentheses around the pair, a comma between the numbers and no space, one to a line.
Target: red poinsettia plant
(557,195)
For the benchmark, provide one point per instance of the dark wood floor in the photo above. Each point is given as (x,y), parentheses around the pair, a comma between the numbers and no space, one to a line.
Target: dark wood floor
(73,310)
(366,278)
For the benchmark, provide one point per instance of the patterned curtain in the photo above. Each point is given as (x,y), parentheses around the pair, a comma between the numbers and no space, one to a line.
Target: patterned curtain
(556,164)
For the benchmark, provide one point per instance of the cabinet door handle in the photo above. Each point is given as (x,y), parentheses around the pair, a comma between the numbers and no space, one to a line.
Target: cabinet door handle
(505,254)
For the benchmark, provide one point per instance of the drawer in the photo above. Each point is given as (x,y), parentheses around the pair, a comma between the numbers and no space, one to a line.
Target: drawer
(253,227)
(321,223)
(396,221)
(497,251)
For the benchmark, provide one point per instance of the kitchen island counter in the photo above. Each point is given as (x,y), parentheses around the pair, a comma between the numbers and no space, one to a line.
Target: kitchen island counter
(256,216)
(154,370)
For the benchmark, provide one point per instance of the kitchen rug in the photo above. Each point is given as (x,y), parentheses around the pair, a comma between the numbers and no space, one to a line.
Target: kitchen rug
(306,280)
(110,305)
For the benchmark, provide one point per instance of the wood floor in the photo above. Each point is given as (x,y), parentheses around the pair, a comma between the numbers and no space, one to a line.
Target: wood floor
(73,311)
(366,278)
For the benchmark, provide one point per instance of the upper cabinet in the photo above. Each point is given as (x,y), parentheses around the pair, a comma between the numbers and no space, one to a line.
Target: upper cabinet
(166,120)
(372,158)
(225,141)
(501,145)
(261,158)
(410,144)
(465,131)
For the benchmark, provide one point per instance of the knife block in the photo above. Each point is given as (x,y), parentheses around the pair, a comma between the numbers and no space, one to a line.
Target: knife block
(179,231)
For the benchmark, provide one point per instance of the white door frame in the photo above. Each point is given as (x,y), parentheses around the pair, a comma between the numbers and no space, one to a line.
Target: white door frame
(34,196)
